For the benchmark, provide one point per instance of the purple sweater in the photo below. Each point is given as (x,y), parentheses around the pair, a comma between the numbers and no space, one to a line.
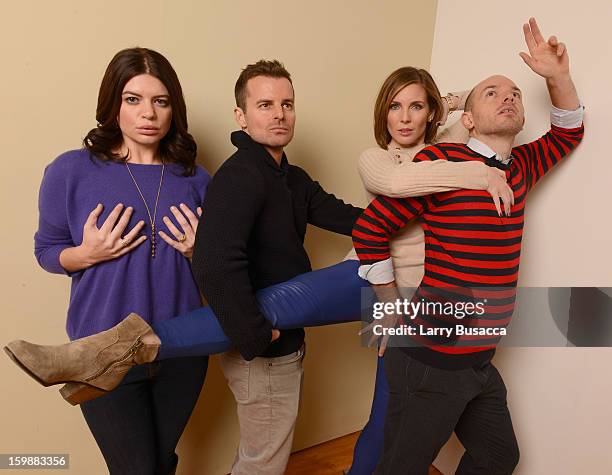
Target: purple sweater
(101,296)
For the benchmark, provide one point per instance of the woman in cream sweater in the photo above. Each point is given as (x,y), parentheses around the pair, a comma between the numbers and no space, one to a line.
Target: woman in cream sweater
(407,115)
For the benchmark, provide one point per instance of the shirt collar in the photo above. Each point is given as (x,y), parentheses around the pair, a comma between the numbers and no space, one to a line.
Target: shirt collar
(243,140)
(486,151)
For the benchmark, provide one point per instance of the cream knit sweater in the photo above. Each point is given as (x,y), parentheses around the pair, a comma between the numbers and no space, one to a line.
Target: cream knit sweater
(392,173)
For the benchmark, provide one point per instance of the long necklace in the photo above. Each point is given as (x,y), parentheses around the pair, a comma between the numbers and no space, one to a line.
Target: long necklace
(153,217)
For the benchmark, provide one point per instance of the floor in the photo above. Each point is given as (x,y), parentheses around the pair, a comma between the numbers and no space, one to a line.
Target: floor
(329,458)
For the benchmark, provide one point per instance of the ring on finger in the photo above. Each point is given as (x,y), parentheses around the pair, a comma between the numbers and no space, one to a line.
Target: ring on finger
(125,242)
(182,238)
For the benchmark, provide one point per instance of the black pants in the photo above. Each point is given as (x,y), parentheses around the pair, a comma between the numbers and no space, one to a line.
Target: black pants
(427,404)
(138,425)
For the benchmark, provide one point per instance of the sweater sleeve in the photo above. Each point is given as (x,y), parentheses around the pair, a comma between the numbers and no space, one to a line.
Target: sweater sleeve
(380,220)
(381,176)
(454,133)
(328,212)
(220,262)
(536,158)
(53,234)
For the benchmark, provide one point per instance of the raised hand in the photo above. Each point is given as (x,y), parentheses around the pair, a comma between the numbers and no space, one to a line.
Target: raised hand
(184,237)
(549,58)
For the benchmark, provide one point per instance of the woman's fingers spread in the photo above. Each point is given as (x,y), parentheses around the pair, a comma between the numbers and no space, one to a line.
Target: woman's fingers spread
(133,233)
(123,222)
(193,219)
(497,204)
(180,217)
(383,346)
(172,228)
(132,245)
(507,205)
(171,242)
(92,219)
(111,219)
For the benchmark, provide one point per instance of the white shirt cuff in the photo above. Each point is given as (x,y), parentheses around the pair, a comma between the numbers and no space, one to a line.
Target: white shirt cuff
(567,119)
(377,273)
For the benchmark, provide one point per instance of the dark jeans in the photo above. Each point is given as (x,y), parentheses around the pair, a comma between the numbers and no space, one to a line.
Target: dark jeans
(138,425)
(427,404)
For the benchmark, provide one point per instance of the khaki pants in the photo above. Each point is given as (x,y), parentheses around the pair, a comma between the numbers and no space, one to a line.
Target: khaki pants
(267,393)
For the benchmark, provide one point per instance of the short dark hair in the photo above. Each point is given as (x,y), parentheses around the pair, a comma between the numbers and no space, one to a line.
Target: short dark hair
(263,67)
(395,82)
(177,146)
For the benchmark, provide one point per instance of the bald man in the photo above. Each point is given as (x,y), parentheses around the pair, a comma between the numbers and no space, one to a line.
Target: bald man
(441,380)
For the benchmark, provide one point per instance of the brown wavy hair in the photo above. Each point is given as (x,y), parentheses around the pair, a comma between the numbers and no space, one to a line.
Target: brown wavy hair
(396,81)
(177,146)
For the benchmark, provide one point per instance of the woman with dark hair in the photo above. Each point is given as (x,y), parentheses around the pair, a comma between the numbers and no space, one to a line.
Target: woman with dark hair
(102,222)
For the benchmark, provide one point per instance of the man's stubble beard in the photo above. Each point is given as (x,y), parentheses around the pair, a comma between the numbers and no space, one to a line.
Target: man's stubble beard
(510,129)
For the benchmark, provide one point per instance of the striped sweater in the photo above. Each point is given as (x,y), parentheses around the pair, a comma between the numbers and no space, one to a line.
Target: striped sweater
(467,246)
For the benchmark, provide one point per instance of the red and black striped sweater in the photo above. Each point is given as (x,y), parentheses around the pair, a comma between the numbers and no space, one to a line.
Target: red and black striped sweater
(467,244)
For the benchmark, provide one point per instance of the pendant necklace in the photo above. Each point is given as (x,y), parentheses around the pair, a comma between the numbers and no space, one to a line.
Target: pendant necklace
(153,217)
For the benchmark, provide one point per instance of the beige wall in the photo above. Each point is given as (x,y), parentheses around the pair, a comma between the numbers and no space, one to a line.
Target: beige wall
(559,397)
(54,55)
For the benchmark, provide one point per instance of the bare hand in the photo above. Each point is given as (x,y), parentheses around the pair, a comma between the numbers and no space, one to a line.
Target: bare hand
(388,321)
(275,335)
(452,102)
(547,58)
(185,237)
(445,111)
(500,190)
(106,243)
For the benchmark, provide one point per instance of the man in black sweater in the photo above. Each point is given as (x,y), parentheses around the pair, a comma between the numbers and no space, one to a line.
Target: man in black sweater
(250,236)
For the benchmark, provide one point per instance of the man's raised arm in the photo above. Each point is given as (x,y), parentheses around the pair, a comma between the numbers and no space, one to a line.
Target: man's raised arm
(550,60)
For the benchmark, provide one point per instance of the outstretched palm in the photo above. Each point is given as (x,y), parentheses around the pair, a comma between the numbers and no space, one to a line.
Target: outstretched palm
(547,58)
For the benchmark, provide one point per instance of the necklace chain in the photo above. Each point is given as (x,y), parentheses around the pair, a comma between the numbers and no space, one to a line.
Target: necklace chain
(154,217)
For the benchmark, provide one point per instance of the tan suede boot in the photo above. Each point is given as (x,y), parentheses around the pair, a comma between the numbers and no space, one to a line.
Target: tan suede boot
(99,362)
(76,393)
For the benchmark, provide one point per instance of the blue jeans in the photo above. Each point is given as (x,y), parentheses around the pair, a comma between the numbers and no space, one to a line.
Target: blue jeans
(322,297)
(369,446)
